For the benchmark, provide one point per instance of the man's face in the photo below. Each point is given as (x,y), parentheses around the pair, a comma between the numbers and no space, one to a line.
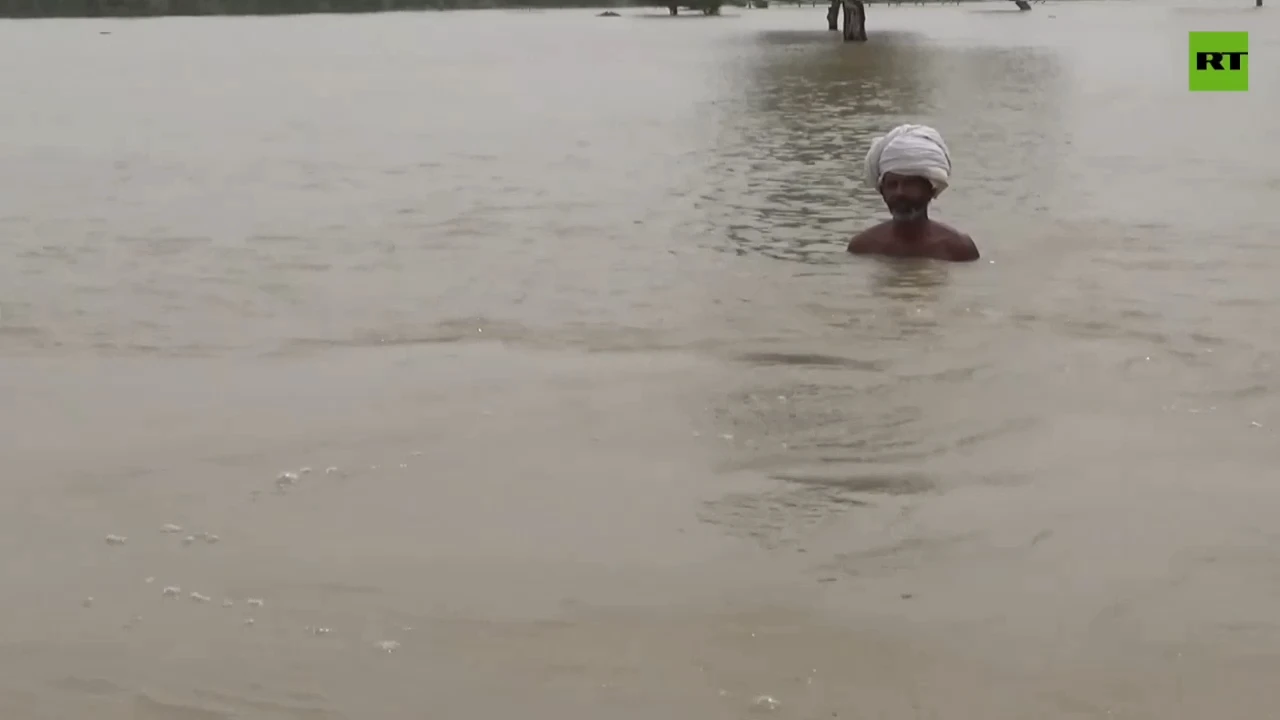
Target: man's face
(906,196)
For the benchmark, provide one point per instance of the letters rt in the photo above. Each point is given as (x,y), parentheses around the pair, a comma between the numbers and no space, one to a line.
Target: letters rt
(1213,60)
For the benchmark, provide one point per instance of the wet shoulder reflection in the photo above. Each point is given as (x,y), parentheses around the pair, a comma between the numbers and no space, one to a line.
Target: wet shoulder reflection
(909,279)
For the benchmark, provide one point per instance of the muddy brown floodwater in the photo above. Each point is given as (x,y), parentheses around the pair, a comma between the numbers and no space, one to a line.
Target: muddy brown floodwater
(599,419)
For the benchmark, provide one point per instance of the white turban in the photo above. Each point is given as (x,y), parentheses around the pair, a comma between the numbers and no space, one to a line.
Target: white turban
(914,150)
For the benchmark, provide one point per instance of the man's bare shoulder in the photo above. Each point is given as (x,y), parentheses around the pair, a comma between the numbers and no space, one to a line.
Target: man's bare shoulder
(961,247)
(870,240)
(966,249)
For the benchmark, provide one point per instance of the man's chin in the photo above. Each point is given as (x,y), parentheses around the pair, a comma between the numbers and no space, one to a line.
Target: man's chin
(907,214)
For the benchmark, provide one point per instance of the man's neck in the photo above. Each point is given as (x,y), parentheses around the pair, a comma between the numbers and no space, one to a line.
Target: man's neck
(912,228)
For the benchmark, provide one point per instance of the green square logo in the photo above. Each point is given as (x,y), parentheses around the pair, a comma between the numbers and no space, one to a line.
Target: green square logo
(1219,62)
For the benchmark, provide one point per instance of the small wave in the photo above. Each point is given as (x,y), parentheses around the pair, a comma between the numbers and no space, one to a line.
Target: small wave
(810,360)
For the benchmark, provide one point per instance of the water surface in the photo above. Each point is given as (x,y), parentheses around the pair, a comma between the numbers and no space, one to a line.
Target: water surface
(618,429)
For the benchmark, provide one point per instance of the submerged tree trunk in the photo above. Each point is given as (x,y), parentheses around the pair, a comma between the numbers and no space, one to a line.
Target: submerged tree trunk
(1022,4)
(855,21)
(833,15)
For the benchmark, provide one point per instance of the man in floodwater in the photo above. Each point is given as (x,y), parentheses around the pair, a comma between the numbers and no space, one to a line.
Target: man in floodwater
(911,166)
